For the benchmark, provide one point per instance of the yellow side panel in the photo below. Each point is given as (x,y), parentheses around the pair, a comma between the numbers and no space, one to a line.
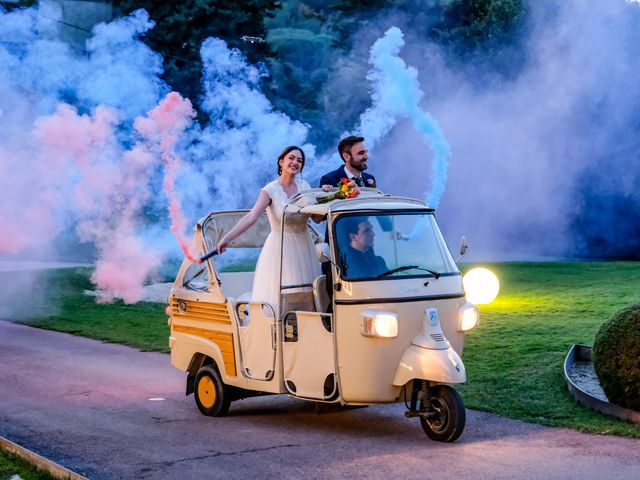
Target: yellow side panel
(200,311)
(224,340)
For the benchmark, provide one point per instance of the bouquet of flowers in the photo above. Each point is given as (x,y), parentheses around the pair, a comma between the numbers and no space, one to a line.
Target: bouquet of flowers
(346,189)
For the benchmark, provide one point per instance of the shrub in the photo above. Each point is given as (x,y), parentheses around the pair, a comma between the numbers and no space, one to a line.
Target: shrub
(616,358)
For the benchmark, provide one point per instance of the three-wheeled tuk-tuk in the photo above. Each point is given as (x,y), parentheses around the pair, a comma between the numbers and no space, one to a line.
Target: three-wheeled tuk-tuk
(394,331)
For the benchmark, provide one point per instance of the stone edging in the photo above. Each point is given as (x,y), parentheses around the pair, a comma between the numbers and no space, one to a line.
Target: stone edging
(583,353)
(52,468)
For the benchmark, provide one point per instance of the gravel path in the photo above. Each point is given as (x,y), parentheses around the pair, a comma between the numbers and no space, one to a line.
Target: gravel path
(95,409)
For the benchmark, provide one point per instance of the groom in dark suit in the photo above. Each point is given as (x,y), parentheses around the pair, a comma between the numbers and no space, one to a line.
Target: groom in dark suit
(355,155)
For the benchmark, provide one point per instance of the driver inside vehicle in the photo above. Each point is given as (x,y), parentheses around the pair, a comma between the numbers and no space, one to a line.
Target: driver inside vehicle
(360,260)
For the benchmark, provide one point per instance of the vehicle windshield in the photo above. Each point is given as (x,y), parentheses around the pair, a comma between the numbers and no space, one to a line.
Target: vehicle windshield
(383,246)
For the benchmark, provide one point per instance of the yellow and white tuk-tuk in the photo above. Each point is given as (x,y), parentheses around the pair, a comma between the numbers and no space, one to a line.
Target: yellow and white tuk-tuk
(395,332)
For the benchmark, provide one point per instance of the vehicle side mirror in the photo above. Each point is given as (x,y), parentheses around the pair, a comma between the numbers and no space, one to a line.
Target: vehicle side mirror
(464,246)
(323,253)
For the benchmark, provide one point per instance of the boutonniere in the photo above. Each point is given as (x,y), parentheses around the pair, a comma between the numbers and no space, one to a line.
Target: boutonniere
(371,183)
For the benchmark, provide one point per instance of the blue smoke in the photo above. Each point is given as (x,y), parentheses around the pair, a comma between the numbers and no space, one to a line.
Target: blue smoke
(396,95)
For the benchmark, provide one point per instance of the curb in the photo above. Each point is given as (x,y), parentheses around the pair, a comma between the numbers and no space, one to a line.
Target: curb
(52,468)
(583,353)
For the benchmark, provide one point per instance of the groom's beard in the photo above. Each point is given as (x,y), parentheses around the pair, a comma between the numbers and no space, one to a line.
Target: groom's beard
(361,166)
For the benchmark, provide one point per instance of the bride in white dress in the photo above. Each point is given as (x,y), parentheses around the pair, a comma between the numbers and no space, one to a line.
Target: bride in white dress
(299,264)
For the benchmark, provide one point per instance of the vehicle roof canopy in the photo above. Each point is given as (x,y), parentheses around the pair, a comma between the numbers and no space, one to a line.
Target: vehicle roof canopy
(217,224)
(369,199)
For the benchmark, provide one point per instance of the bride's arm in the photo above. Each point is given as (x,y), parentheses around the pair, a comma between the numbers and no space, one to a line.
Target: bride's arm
(245,222)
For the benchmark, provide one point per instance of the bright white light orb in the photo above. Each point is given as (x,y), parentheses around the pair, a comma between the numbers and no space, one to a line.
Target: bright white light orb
(481,286)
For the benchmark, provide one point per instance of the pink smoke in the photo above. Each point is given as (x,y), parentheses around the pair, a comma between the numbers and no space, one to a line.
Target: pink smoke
(13,239)
(79,174)
(87,144)
(50,175)
(161,127)
(86,177)
(125,260)
(123,268)
(14,234)
(31,194)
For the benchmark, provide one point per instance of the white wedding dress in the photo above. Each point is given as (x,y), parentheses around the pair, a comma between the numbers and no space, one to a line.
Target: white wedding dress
(299,263)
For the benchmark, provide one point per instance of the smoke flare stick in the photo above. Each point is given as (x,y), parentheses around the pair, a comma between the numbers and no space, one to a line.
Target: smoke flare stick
(208,255)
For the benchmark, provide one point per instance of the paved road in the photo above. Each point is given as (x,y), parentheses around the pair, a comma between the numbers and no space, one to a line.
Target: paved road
(85,405)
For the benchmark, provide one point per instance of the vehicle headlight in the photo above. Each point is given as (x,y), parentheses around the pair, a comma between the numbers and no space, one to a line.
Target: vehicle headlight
(376,323)
(468,317)
(481,286)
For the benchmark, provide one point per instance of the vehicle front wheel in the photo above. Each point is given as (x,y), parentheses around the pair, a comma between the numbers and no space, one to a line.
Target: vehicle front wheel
(211,394)
(447,418)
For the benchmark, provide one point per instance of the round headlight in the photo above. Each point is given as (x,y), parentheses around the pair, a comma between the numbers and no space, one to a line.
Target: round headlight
(469,317)
(481,286)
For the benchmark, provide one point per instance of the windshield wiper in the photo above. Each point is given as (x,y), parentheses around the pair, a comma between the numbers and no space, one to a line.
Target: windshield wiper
(409,267)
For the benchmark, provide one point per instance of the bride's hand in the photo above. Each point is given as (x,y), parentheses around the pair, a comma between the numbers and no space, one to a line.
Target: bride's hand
(222,246)
(318,218)
(327,188)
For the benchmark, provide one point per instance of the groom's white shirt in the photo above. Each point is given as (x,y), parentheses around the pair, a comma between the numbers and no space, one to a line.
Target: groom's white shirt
(351,173)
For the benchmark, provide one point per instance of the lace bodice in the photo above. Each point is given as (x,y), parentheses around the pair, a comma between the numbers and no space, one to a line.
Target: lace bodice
(296,222)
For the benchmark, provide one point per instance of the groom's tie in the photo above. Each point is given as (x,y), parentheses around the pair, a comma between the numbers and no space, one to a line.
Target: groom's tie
(358,181)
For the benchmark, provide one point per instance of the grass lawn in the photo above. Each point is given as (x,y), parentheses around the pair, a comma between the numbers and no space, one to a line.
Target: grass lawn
(11,465)
(57,302)
(514,358)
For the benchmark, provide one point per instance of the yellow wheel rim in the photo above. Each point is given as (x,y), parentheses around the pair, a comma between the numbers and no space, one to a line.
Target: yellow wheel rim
(206,392)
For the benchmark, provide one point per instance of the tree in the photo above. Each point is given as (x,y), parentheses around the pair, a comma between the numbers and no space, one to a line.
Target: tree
(469,24)
(182,26)
(8,5)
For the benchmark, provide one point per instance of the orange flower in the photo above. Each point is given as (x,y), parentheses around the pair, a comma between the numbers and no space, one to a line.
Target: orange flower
(355,191)
(346,189)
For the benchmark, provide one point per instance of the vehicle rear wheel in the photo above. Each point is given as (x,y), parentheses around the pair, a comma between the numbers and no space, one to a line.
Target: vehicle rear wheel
(211,394)
(447,417)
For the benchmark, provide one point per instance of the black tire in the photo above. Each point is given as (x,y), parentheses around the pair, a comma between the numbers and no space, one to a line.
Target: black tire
(448,423)
(211,394)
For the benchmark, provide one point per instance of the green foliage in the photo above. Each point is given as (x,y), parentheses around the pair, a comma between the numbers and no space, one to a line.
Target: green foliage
(182,26)
(348,6)
(308,43)
(471,24)
(482,35)
(616,358)
(19,4)
(348,16)
(299,68)
(11,465)
(303,50)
